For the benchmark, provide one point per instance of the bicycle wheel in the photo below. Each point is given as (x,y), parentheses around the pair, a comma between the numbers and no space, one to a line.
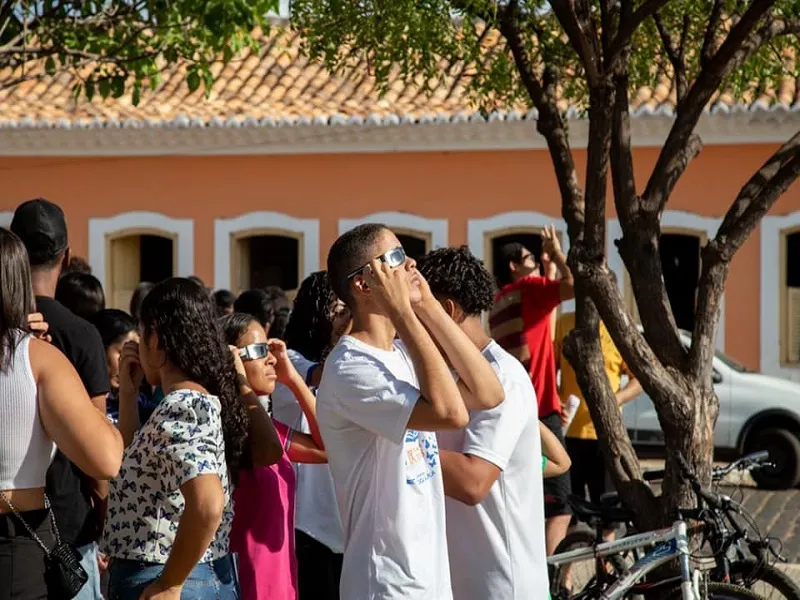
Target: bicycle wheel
(567,581)
(767,581)
(718,591)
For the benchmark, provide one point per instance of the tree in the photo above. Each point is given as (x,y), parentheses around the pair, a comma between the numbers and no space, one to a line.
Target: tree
(113,44)
(593,53)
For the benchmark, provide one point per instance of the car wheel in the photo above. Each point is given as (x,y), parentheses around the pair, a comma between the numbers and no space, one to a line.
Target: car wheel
(784,452)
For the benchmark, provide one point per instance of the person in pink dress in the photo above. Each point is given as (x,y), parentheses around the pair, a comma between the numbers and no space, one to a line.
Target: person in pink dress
(263,523)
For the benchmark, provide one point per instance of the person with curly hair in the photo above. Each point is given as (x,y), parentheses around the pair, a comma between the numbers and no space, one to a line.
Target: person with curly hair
(493,469)
(317,321)
(170,510)
(263,532)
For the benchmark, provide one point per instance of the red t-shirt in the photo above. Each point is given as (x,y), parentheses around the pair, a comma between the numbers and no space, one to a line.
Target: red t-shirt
(520,323)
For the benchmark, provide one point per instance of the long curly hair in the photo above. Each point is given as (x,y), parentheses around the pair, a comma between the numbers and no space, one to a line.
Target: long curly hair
(311,321)
(181,314)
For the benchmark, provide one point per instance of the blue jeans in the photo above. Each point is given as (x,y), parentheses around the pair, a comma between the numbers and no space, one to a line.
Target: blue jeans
(91,589)
(207,581)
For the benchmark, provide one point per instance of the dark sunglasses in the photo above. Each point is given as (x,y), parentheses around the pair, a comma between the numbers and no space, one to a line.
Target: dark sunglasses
(254,351)
(394,258)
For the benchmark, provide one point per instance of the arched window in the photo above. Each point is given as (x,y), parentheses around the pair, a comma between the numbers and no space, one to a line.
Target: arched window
(138,246)
(264,248)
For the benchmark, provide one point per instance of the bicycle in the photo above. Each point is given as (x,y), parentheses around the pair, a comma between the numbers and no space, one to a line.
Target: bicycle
(739,557)
(732,563)
(670,543)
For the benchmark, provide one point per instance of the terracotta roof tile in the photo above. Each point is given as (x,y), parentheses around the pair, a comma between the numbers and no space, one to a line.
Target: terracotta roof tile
(278,83)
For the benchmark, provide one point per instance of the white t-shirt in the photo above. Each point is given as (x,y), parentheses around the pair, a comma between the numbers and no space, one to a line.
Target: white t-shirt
(388,479)
(497,548)
(316,514)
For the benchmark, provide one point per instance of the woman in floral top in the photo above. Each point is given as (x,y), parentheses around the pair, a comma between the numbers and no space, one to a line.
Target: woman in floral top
(170,510)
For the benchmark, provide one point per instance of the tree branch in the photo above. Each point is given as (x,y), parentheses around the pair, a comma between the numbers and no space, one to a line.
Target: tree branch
(628,25)
(710,37)
(549,124)
(752,203)
(582,41)
(601,107)
(582,348)
(675,54)
(733,50)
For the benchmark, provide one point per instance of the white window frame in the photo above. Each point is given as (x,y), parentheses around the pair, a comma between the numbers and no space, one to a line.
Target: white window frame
(773,229)
(262,220)
(670,219)
(405,223)
(135,221)
(479,229)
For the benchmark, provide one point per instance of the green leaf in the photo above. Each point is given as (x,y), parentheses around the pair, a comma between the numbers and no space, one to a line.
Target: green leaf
(89,89)
(50,66)
(136,96)
(104,87)
(193,80)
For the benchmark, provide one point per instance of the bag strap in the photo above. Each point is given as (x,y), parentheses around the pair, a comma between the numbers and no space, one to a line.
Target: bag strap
(30,530)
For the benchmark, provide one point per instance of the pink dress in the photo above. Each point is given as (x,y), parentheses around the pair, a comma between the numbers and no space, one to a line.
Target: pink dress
(263,528)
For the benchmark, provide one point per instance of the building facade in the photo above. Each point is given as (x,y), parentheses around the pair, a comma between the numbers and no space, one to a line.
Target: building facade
(251,186)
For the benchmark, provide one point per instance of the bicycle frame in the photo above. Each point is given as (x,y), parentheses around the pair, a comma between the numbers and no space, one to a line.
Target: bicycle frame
(671,542)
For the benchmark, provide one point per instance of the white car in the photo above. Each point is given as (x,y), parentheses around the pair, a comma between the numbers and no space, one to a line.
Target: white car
(756,412)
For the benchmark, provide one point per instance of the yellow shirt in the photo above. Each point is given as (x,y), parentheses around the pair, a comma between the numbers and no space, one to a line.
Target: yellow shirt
(582,426)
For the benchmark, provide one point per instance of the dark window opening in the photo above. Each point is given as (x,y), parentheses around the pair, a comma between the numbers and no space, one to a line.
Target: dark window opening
(155,258)
(793,260)
(414,246)
(532,241)
(274,260)
(680,263)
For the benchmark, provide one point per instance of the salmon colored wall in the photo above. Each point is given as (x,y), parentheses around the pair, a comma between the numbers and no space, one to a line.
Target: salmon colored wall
(451,185)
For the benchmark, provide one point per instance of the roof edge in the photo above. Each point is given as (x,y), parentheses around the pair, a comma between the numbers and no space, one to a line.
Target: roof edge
(468,133)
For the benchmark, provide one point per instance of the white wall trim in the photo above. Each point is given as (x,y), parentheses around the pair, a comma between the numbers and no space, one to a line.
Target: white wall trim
(437,228)
(772,228)
(5,218)
(478,229)
(676,219)
(101,228)
(253,221)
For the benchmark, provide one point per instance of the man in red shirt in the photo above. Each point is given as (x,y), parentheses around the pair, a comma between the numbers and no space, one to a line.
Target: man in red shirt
(520,323)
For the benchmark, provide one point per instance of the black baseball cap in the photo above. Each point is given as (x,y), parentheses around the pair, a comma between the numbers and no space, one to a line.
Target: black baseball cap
(41,226)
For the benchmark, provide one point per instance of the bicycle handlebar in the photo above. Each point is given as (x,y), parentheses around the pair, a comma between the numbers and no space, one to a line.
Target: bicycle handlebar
(756,459)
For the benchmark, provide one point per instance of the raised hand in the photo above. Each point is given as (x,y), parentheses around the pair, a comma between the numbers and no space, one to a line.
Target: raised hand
(237,362)
(131,372)
(284,368)
(39,327)
(550,244)
(389,287)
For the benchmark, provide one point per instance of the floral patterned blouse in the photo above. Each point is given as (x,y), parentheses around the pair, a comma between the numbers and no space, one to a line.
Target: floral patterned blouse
(180,441)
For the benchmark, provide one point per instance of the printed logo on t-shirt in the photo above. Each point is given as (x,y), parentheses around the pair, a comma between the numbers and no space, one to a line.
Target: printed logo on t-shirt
(421,455)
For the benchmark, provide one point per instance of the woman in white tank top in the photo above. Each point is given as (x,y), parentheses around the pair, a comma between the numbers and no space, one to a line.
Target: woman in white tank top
(43,404)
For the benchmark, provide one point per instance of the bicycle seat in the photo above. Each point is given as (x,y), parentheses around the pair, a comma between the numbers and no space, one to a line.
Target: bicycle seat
(606,512)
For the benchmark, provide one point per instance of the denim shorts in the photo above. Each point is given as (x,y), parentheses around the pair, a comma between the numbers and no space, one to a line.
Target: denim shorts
(208,581)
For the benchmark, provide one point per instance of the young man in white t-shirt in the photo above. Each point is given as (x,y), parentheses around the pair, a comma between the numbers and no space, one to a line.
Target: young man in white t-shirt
(380,399)
(492,469)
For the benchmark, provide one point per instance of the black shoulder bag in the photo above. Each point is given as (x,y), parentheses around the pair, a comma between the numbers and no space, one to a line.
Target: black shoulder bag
(63,572)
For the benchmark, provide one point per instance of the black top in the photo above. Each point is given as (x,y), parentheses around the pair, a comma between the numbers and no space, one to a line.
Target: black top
(67,487)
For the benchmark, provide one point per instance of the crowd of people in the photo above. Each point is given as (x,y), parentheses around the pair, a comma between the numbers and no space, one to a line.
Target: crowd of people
(369,440)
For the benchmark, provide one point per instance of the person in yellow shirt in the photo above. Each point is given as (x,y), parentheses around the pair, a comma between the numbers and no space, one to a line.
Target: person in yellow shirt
(588,472)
